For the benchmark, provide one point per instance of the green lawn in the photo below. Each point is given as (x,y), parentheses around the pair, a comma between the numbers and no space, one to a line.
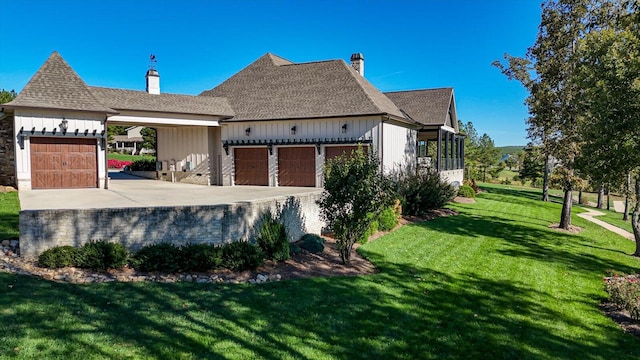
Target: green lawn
(492,282)
(126,157)
(9,209)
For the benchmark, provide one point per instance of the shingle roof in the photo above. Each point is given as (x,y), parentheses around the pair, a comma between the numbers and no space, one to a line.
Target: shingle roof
(57,86)
(427,107)
(275,88)
(120,99)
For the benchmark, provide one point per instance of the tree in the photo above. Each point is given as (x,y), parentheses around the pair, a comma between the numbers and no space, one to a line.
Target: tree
(532,165)
(487,155)
(547,73)
(6,96)
(355,192)
(149,138)
(609,74)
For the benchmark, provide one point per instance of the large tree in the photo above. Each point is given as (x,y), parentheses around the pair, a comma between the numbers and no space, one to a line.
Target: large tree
(609,74)
(6,96)
(547,72)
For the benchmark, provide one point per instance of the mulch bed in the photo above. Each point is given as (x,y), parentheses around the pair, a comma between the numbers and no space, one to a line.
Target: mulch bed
(622,318)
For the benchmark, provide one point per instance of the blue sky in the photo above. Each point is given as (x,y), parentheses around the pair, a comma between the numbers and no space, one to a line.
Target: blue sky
(198,44)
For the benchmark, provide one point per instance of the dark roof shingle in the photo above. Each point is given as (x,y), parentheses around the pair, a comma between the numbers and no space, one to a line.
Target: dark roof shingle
(120,99)
(57,86)
(274,88)
(427,107)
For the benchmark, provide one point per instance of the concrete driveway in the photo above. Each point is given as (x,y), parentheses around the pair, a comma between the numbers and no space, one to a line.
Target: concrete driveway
(126,191)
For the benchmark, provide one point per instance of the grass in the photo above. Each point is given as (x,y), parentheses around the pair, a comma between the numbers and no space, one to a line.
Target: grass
(127,157)
(492,282)
(9,209)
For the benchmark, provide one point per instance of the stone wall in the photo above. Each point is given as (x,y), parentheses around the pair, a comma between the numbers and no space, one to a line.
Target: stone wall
(7,153)
(136,227)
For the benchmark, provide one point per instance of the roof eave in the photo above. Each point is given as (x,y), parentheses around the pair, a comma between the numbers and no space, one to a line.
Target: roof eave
(45,107)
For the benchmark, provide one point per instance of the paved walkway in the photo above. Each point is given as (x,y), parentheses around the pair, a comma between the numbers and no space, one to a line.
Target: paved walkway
(589,215)
(618,206)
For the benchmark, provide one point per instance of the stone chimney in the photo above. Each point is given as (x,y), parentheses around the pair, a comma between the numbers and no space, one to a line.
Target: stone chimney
(357,62)
(153,82)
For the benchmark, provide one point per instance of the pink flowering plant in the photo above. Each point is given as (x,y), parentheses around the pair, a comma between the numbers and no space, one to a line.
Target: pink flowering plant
(624,292)
(117,164)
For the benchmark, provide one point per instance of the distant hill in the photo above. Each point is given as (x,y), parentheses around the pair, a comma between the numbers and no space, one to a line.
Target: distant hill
(504,150)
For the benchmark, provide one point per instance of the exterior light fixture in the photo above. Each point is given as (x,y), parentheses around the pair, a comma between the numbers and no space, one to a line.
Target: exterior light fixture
(293,130)
(64,125)
(247,131)
(344,128)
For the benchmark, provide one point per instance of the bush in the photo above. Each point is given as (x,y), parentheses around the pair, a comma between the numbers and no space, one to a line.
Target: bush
(159,257)
(312,243)
(473,185)
(102,255)
(466,191)
(387,220)
(294,249)
(143,165)
(200,257)
(624,292)
(273,239)
(59,256)
(423,192)
(117,164)
(241,255)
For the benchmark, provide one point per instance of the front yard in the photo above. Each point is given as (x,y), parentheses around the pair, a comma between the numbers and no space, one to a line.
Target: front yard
(492,282)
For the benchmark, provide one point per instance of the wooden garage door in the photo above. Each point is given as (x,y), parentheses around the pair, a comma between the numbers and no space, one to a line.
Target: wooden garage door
(58,163)
(332,151)
(297,166)
(252,166)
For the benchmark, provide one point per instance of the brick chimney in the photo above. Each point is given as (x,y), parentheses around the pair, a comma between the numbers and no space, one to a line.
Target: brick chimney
(357,62)
(153,82)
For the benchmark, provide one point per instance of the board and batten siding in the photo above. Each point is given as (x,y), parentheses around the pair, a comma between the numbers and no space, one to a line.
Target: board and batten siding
(366,127)
(398,148)
(180,145)
(49,120)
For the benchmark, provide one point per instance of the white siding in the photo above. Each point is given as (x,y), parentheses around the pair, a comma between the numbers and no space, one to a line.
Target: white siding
(179,145)
(359,128)
(398,148)
(49,120)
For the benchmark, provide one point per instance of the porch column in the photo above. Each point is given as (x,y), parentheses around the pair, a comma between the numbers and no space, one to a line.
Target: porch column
(439,151)
(446,151)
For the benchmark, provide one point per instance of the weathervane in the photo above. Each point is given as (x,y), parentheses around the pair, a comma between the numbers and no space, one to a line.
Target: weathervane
(152,62)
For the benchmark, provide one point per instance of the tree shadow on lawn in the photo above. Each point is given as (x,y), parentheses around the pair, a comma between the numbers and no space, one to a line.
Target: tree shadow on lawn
(518,196)
(532,242)
(403,312)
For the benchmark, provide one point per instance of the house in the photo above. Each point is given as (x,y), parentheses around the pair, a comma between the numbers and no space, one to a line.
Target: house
(131,142)
(274,123)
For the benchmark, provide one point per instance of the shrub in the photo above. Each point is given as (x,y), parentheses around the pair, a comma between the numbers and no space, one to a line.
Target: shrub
(273,239)
(387,220)
(423,192)
(241,255)
(117,164)
(144,165)
(159,257)
(59,256)
(102,255)
(294,249)
(200,257)
(473,185)
(624,292)
(466,191)
(312,243)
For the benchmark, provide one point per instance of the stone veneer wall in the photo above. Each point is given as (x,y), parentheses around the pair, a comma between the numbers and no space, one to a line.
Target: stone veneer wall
(7,153)
(136,227)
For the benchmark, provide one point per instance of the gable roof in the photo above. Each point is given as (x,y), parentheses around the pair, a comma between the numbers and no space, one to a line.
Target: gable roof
(120,99)
(427,107)
(57,86)
(275,88)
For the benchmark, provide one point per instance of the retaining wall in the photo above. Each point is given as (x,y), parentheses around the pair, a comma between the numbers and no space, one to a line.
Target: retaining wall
(7,153)
(137,227)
